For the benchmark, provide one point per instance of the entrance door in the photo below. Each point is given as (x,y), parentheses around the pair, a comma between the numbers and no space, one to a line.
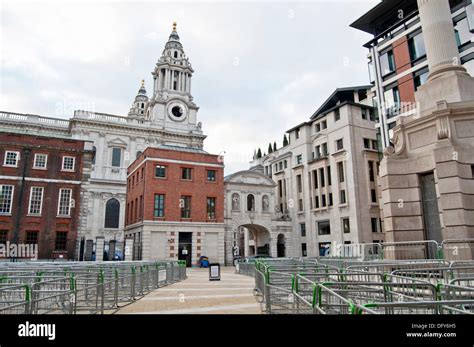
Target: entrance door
(281,246)
(185,246)
(430,209)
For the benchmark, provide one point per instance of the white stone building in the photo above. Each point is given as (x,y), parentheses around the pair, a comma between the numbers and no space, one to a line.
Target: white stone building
(168,117)
(251,222)
(326,177)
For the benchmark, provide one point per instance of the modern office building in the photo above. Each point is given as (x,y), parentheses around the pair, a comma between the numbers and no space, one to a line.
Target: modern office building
(398,63)
(175,205)
(42,181)
(427,175)
(326,177)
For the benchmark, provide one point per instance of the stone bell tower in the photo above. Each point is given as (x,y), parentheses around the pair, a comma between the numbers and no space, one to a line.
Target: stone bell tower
(171,106)
(427,174)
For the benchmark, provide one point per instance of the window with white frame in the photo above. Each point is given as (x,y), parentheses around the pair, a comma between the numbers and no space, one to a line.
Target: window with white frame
(11,158)
(36,200)
(6,199)
(41,161)
(64,203)
(68,163)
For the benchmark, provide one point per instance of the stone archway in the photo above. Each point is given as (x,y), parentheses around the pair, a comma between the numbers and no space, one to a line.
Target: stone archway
(253,239)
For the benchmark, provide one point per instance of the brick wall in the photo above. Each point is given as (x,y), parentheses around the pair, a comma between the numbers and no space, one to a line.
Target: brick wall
(51,179)
(142,185)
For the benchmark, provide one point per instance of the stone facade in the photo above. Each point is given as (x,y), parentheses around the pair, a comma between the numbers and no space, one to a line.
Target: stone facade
(427,175)
(327,175)
(251,219)
(118,140)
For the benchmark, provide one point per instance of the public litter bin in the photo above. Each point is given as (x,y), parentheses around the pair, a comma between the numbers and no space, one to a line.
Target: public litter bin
(214,272)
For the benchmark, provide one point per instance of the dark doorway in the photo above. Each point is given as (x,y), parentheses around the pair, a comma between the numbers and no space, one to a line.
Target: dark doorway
(429,199)
(281,246)
(185,246)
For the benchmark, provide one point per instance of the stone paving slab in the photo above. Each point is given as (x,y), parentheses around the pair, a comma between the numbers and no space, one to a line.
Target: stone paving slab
(233,294)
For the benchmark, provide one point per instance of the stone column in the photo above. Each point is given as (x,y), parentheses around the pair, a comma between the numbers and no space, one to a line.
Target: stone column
(99,248)
(128,249)
(438,33)
(246,243)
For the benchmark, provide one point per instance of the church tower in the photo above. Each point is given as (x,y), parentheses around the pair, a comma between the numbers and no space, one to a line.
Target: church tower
(139,105)
(171,106)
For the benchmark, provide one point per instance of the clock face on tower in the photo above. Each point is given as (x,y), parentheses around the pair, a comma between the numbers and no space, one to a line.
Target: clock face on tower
(177,111)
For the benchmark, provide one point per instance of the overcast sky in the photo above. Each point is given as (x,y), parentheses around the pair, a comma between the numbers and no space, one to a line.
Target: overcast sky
(260,67)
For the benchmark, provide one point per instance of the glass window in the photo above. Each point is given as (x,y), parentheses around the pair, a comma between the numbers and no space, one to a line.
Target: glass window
(6,199)
(324,249)
(340,171)
(304,251)
(337,115)
(367,143)
(324,149)
(303,229)
(392,101)
(186,173)
(416,46)
(36,200)
(116,157)
(159,208)
(61,241)
(387,63)
(339,144)
(299,183)
(68,163)
(373,195)
(371,171)
(211,208)
(329,175)
(318,127)
(330,200)
(185,206)
(324,125)
(64,203)
(299,159)
(211,175)
(346,225)
(3,236)
(420,79)
(343,197)
(364,113)
(40,161)
(324,228)
(374,224)
(112,213)
(461,30)
(160,171)
(11,158)
(297,133)
(322,181)
(31,237)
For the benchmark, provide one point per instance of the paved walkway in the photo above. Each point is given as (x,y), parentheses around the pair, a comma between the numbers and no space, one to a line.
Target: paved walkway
(233,294)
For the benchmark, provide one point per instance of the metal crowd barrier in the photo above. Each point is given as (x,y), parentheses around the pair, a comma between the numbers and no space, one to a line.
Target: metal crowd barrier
(349,286)
(82,287)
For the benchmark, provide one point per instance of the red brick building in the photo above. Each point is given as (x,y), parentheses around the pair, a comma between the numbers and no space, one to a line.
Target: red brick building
(40,191)
(175,205)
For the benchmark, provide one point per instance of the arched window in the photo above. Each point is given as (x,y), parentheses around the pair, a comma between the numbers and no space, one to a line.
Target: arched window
(235,202)
(112,213)
(265,203)
(250,202)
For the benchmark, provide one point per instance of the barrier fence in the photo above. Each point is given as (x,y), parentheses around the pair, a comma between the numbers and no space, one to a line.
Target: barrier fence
(81,288)
(405,278)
